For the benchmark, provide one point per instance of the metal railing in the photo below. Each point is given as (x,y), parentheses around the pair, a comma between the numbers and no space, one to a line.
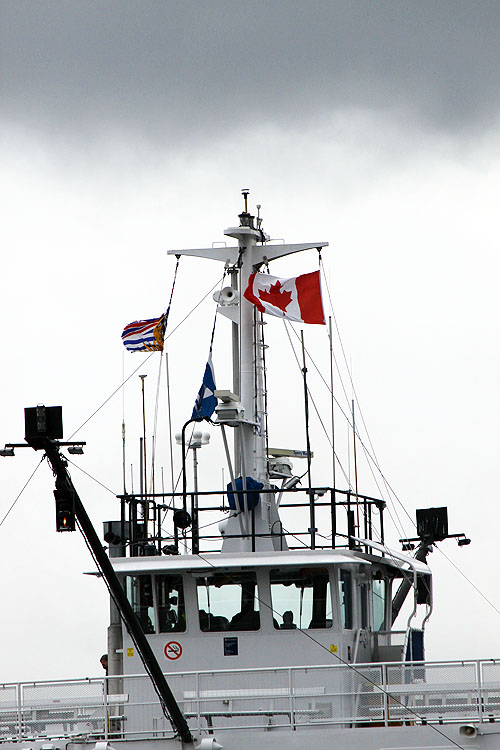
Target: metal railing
(384,694)
(324,507)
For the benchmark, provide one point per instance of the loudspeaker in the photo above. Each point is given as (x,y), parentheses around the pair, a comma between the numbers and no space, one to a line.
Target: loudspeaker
(228,296)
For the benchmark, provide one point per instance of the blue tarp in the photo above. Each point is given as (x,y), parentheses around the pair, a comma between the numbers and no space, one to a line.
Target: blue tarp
(253,497)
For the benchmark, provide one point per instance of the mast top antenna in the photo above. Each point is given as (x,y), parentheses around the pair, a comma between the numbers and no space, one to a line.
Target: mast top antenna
(245,192)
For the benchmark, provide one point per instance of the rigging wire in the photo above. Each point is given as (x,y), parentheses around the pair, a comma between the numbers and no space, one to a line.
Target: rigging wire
(370,456)
(348,368)
(90,476)
(468,580)
(404,573)
(220,283)
(374,456)
(370,459)
(339,462)
(142,363)
(314,404)
(111,396)
(23,488)
(158,381)
(264,371)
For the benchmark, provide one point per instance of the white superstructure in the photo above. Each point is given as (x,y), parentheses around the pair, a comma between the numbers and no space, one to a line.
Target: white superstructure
(264,645)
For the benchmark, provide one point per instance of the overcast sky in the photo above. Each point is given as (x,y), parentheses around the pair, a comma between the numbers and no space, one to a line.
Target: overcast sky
(128,128)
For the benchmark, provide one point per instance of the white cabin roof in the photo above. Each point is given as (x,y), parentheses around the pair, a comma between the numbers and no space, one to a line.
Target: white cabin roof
(210,561)
(218,561)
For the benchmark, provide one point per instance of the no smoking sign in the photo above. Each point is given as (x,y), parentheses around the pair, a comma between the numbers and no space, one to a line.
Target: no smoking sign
(173,650)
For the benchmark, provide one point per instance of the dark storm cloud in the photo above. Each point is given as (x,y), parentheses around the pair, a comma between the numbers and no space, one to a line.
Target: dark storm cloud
(168,68)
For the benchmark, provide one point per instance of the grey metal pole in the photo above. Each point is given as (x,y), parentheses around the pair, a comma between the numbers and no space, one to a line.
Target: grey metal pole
(312,519)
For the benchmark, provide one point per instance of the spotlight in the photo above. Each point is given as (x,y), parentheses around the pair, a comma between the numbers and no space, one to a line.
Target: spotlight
(289,484)
(111,538)
(75,450)
(182,519)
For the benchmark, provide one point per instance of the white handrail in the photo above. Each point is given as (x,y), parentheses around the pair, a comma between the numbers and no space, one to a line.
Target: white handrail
(290,697)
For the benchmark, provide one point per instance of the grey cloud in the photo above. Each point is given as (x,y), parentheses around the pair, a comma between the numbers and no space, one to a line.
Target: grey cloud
(168,69)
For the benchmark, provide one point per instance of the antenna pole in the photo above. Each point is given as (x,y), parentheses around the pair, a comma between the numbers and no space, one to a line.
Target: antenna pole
(312,525)
(245,193)
(169,428)
(146,505)
(123,425)
(355,464)
(123,456)
(332,403)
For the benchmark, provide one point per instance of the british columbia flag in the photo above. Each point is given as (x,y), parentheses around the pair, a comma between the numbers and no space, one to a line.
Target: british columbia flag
(145,335)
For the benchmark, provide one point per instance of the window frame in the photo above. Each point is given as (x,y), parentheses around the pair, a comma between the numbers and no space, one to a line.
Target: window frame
(328,599)
(154,580)
(249,618)
(386,591)
(344,574)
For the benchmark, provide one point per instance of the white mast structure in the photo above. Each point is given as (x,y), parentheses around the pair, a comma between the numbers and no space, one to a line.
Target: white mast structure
(245,411)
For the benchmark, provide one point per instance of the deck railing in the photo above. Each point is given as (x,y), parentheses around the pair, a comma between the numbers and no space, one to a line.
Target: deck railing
(279,698)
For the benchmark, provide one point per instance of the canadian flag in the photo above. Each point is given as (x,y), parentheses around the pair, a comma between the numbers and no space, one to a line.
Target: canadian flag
(294,299)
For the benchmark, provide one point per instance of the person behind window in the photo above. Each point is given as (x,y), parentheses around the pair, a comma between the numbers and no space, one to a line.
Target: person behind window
(247,619)
(204,623)
(288,623)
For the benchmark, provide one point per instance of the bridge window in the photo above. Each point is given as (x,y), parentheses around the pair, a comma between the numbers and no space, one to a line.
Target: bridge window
(228,601)
(301,598)
(170,598)
(378,597)
(140,595)
(345,596)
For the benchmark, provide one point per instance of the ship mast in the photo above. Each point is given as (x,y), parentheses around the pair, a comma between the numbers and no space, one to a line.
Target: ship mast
(252,427)
(248,529)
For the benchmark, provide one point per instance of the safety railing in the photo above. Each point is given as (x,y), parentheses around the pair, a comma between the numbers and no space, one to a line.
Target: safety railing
(382,694)
(327,508)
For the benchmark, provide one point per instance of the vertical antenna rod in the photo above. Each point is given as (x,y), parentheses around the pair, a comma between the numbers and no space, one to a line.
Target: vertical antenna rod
(332,402)
(123,456)
(355,464)
(145,489)
(245,192)
(312,525)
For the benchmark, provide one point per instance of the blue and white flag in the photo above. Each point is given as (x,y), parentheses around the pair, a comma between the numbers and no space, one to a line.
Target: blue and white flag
(205,403)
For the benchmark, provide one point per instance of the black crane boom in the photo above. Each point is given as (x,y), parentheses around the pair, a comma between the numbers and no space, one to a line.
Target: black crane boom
(64,483)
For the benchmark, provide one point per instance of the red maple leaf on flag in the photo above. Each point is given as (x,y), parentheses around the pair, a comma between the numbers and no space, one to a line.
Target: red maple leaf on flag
(274,297)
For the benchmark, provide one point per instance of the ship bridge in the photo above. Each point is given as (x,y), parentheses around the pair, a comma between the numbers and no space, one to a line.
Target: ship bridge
(266,609)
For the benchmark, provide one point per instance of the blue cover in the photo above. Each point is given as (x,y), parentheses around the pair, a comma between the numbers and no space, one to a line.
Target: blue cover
(253,497)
